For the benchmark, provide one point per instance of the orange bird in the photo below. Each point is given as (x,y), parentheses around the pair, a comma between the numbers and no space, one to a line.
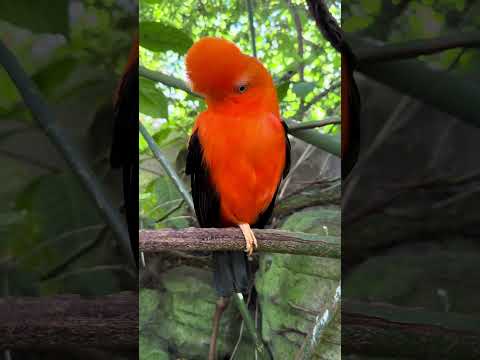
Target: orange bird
(124,150)
(238,150)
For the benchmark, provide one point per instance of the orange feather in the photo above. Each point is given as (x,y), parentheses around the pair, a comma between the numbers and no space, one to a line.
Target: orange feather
(241,133)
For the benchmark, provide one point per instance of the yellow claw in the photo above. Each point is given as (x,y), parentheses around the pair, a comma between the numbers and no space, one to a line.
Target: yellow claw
(250,239)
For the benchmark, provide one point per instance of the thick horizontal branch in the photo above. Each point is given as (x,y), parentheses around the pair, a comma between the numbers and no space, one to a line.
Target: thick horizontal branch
(382,329)
(414,48)
(326,142)
(203,239)
(69,321)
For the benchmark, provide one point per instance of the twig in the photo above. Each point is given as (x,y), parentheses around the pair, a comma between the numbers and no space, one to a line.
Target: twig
(250,325)
(320,95)
(75,256)
(252,27)
(109,322)
(305,154)
(313,124)
(300,50)
(322,321)
(214,239)
(44,116)
(171,211)
(166,80)
(168,168)
(415,48)
(329,143)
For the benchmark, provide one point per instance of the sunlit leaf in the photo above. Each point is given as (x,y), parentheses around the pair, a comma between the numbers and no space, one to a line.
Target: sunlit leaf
(158,36)
(152,101)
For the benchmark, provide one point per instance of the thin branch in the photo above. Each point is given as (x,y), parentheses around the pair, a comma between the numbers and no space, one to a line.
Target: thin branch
(415,48)
(385,329)
(328,143)
(166,80)
(321,95)
(214,239)
(44,116)
(313,124)
(171,211)
(447,92)
(250,325)
(322,321)
(168,168)
(301,69)
(109,322)
(251,27)
(85,249)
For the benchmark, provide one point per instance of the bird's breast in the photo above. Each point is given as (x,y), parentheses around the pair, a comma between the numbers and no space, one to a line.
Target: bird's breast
(245,156)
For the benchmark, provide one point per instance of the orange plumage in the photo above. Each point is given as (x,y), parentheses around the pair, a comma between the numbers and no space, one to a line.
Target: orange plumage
(243,140)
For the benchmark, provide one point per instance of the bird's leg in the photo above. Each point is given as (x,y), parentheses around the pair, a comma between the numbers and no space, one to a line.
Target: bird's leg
(222,304)
(250,238)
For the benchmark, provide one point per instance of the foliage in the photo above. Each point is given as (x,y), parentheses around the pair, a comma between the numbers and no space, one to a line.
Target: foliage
(45,214)
(166,31)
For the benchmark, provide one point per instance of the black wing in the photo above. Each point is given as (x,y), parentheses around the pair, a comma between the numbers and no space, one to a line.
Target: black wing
(124,150)
(205,197)
(264,217)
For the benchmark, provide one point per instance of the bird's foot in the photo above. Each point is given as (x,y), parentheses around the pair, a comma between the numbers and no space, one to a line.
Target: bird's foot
(250,239)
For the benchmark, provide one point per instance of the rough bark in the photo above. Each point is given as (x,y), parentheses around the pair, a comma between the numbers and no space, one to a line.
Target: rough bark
(195,239)
(66,321)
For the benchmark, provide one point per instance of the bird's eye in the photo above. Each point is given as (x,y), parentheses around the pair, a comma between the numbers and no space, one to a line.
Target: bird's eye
(242,88)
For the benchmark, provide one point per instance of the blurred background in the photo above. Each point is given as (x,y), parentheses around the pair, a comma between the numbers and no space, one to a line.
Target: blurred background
(53,237)
(411,205)
(177,299)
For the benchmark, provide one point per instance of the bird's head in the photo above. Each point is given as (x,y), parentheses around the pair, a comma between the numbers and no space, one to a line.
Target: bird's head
(218,70)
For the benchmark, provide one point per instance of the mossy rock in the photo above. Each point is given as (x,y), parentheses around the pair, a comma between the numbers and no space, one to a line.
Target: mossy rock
(293,289)
(180,316)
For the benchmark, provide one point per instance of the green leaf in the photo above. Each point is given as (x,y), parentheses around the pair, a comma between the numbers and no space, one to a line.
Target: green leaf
(37,16)
(302,89)
(282,90)
(49,78)
(152,100)
(159,37)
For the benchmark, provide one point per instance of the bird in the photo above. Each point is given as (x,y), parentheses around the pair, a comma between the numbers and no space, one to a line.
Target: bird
(124,149)
(237,154)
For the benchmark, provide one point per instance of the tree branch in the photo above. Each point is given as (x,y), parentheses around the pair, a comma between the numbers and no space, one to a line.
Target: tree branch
(168,168)
(251,27)
(451,93)
(415,48)
(312,124)
(69,321)
(384,329)
(214,239)
(44,116)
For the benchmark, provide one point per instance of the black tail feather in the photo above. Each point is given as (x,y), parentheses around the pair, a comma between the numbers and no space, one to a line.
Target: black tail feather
(231,272)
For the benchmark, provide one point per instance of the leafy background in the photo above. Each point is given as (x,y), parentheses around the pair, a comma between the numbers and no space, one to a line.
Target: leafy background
(53,239)
(176,297)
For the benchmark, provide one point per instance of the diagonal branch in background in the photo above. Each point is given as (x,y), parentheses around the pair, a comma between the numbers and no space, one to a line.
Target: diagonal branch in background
(214,239)
(441,89)
(415,48)
(109,322)
(328,143)
(44,116)
(384,329)
(168,168)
